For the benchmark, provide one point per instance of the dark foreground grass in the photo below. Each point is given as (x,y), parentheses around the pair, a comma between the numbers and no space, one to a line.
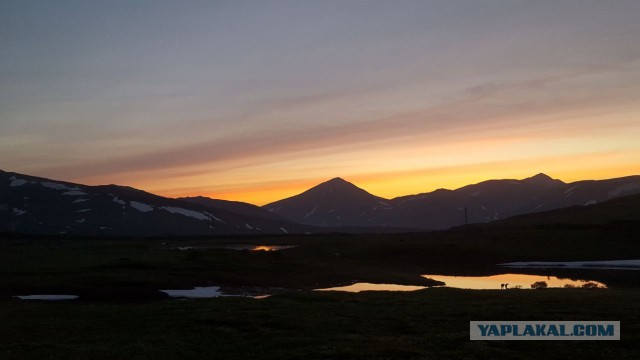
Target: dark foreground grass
(427,324)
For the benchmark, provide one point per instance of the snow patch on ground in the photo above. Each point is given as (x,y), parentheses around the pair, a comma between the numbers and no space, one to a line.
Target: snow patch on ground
(80,200)
(17,182)
(84,210)
(591,202)
(275,209)
(142,207)
(284,230)
(117,200)
(81,220)
(185,212)
(474,194)
(248,226)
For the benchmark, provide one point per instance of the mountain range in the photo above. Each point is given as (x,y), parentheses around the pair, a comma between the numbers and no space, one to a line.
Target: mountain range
(340,203)
(42,206)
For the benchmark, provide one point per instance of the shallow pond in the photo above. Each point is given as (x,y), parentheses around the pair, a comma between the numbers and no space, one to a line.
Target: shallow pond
(512,281)
(239,247)
(47,297)
(209,292)
(357,287)
(601,265)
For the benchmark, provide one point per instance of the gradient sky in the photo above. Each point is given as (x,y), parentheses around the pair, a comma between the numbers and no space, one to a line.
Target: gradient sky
(259,100)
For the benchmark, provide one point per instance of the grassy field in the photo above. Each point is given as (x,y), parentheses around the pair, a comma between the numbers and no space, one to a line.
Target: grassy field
(427,324)
(122,315)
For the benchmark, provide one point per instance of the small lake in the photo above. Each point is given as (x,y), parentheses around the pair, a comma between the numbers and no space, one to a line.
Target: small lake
(358,287)
(239,247)
(600,265)
(209,292)
(512,281)
(47,297)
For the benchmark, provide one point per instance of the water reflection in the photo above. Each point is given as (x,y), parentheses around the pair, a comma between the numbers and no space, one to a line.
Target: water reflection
(47,297)
(509,281)
(357,287)
(239,247)
(210,292)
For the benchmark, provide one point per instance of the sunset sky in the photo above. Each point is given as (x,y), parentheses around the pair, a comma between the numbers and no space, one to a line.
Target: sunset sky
(259,100)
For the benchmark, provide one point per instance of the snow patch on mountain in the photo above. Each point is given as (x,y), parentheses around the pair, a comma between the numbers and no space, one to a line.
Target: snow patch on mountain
(624,189)
(17,182)
(215,217)
(142,207)
(74,193)
(185,212)
(315,208)
(58,186)
(80,200)
(19,212)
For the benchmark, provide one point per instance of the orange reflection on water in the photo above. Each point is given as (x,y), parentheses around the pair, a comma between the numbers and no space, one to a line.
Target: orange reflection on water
(270,247)
(513,280)
(357,287)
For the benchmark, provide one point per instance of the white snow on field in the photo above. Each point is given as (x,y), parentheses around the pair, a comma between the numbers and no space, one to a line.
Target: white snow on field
(591,202)
(47,297)
(607,264)
(284,230)
(248,226)
(83,210)
(79,200)
(74,193)
(19,212)
(275,209)
(185,212)
(17,182)
(197,292)
(142,207)
(117,200)
(81,220)
(476,193)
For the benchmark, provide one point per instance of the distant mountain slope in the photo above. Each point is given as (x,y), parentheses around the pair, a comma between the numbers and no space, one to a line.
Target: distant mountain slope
(41,206)
(237,207)
(622,209)
(333,203)
(348,205)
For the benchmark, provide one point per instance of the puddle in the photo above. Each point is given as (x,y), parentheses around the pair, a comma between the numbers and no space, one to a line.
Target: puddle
(209,292)
(512,281)
(239,247)
(604,265)
(357,287)
(47,297)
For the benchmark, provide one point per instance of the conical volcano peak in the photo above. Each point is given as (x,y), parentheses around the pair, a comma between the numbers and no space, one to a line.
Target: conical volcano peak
(543,179)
